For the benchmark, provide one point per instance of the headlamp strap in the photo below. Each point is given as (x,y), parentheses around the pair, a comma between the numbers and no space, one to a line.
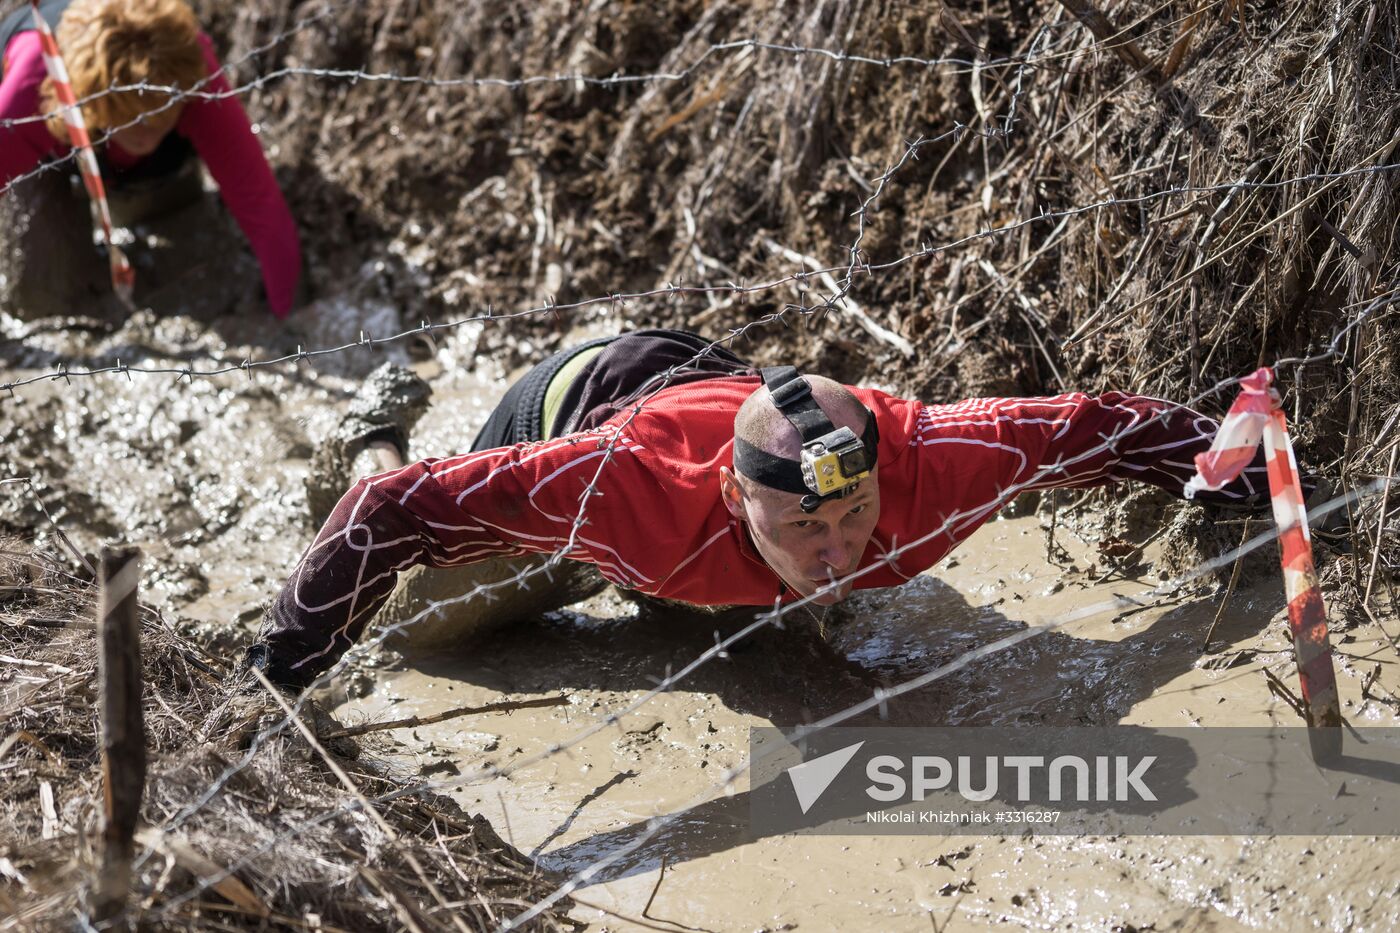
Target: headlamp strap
(792,395)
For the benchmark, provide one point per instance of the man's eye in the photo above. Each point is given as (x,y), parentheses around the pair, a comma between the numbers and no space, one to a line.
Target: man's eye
(858,509)
(803,523)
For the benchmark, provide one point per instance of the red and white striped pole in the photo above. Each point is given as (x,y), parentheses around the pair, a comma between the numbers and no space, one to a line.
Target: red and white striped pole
(1257,417)
(123,277)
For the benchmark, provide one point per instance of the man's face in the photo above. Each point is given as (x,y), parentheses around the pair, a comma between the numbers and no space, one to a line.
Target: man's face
(807,550)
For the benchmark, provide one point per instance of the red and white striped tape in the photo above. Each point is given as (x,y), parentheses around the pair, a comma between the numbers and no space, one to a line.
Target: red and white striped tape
(123,276)
(1256,417)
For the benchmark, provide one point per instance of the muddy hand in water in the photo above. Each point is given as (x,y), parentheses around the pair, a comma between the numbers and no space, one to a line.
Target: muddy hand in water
(387,407)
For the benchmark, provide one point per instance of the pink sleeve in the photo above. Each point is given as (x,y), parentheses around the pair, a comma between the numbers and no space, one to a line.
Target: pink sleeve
(22,146)
(222,136)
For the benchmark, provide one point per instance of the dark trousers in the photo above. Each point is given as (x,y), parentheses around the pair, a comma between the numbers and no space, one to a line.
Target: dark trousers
(629,366)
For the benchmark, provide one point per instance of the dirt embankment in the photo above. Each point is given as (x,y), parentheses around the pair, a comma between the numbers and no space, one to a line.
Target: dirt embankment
(1064,225)
(1082,230)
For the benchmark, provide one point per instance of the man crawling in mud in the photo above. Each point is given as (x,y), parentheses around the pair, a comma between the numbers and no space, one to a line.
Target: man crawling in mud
(700,481)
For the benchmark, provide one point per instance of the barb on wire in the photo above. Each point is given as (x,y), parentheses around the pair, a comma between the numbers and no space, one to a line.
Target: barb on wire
(740,289)
(675,677)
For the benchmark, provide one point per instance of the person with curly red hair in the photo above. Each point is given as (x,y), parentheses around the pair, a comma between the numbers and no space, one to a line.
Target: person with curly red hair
(147,138)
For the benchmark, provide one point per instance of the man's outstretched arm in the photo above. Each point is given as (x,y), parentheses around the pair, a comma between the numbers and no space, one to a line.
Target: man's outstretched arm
(442,513)
(989,448)
(1118,436)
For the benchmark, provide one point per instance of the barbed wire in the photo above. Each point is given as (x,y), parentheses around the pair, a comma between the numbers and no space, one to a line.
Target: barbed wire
(546,567)
(616,79)
(881,697)
(672,679)
(194,89)
(721,646)
(175,95)
(672,290)
(856,264)
(720,649)
(522,578)
(58,162)
(675,290)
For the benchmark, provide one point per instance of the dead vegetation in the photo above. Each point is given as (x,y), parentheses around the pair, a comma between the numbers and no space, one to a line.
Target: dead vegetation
(282,845)
(1198,189)
(1169,199)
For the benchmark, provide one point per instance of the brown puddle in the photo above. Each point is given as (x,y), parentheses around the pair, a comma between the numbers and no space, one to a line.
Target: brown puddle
(1134,667)
(214,498)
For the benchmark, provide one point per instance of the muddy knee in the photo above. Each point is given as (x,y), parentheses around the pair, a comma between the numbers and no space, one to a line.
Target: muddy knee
(436,614)
(48,264)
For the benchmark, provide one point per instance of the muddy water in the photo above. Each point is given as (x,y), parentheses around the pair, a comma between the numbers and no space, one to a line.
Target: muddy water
(207,477)
(1136,667)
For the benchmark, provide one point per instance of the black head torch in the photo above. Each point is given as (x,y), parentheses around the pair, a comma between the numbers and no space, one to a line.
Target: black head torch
(833,461)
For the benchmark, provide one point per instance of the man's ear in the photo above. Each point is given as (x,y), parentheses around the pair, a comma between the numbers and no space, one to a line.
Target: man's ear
(733,494)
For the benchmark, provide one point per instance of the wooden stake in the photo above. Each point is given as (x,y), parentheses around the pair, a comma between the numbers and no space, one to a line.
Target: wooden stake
(123,730)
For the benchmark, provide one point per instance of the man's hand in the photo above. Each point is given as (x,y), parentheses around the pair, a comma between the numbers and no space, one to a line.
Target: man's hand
(379,419)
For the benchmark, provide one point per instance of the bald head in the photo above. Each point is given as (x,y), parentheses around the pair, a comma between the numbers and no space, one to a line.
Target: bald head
(763,426)
(808,547)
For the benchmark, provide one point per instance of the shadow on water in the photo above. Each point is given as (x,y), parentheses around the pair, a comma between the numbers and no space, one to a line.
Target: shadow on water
(793,676)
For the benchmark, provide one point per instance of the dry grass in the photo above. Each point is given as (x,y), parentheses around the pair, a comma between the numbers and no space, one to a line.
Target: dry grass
(282,844)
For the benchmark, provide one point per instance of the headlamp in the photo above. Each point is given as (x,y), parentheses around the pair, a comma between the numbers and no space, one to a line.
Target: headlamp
(833,460)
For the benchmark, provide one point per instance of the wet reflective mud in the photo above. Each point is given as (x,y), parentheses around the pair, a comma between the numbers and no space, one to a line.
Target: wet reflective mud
(1139,666)
(208,476)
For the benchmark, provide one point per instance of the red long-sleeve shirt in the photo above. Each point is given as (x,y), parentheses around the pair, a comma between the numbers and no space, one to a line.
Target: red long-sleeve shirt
(220,133)
(660,526)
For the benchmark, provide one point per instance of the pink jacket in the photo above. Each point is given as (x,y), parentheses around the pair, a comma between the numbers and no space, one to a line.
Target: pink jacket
(221,135)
